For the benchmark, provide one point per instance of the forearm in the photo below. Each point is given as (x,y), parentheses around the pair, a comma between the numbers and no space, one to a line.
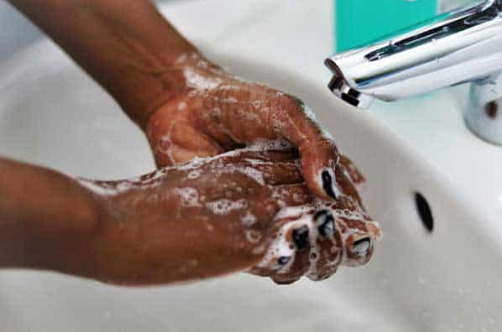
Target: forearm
(127,46)
(140,236)
(148,238)
(44,218)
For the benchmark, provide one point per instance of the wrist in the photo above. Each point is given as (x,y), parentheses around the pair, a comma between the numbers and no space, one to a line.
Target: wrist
(51,229)
(189,74)
(145,87)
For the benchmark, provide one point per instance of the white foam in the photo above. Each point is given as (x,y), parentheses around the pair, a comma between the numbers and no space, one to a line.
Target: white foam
(308,112)
(182,106)
(200,82)
(253,236)
(189,196)
(225,206)
(230,87)
(230,100)
(348,214)
(253,173)
(124,186)
(293,212)
(182,58)
(263,145)
(194,174)
(260,145)
(249,219)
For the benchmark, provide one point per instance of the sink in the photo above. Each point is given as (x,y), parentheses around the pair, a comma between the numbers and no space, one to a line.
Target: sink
(443,277)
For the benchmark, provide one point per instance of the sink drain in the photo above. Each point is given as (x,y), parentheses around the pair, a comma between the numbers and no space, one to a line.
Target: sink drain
(424,212)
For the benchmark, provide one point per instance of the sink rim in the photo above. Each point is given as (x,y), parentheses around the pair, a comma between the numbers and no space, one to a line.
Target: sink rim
(365,121)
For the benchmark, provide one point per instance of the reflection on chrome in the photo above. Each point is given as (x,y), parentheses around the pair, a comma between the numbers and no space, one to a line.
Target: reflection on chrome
(463,46)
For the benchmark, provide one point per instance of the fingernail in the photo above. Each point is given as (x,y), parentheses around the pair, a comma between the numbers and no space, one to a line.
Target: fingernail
(361,247)
(283,260)
(301,237)
(325,223)
(328,184)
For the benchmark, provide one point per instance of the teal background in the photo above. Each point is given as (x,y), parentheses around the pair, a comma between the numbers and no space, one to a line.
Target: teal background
(361,22)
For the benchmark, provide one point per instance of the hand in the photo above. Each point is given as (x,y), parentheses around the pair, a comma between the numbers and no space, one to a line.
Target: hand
(217,216)
(196,220)
(216,112)
(314,239)
(187,106)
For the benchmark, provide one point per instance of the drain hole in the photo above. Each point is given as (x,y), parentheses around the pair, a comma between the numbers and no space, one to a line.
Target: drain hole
(491,109)
(424,211)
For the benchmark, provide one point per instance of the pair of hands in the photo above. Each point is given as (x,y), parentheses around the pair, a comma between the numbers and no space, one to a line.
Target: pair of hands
(287,210)
(282,214)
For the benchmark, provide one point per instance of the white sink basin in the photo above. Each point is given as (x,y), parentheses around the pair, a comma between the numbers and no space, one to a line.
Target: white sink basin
(447,280)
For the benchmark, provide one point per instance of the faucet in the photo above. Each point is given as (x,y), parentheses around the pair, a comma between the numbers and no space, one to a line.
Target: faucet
(463,46)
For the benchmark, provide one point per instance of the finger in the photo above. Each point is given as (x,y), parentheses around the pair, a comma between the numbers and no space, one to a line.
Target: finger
(169,154)
(174,140)
(350,198)
(359,249)
(290,238)
(324,253)
(351,170)
(330,246)
(283,117)
(301,238)
(252,158)
(274,174)
(188,143)
(318,152)
(279,254)
(270,155)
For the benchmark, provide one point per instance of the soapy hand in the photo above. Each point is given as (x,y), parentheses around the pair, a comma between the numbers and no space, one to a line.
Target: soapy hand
(313,240)
(217,112)
(243,210)
(262,212)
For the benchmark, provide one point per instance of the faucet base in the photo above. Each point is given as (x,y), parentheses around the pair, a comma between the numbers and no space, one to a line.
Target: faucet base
(483,115)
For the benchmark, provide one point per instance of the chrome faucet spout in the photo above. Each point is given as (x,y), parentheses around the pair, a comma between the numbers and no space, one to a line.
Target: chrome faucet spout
(465,46)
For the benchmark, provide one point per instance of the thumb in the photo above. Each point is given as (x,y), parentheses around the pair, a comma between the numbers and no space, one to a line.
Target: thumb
(319,158)
(176,141)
